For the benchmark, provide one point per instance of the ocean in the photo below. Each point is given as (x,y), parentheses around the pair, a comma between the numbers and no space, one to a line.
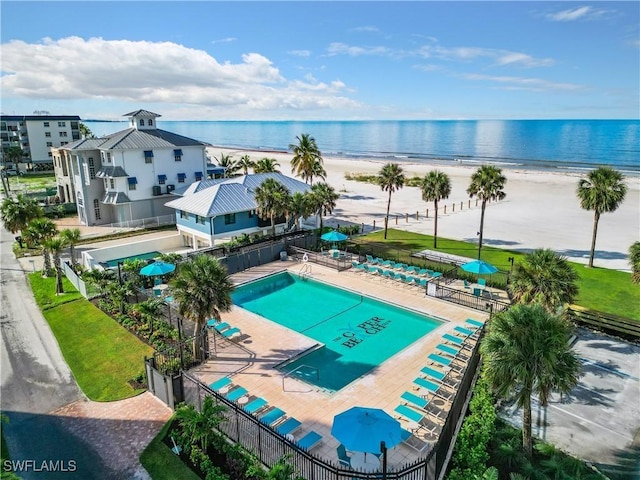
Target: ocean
(535,144)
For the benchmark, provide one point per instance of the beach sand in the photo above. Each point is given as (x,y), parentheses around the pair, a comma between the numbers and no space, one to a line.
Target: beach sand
(540,210)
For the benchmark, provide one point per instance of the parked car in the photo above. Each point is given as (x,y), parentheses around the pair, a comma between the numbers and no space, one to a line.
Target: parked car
(11,172)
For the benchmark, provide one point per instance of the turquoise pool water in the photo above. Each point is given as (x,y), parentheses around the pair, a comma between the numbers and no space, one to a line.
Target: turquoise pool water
(358,333)
(143,256)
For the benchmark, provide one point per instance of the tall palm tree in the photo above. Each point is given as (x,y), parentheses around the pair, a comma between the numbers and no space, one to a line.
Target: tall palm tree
(245,163)
(203,290)
(38,232)
(13,154)
(526,352)
(544,277)
(634,259)
(149,310)
(100,279)
(487,183)
(16,214)
(390,179)
(55,246)
(85,131)
(301,206)
(602,191)
(273,200)
(305,156)
(230,166)
(71,236)
(266,165)
(316,170)
(436,186)
(323,200)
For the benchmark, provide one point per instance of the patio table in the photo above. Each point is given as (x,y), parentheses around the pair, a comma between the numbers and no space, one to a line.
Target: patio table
(366,462)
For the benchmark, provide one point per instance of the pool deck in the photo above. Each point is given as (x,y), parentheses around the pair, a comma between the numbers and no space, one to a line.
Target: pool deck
(264,344)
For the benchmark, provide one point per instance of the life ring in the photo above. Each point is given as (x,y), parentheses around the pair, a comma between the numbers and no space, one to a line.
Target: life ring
(305,258)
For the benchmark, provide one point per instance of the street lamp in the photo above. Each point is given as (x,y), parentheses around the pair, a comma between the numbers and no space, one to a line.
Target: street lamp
(383,449)
(511,260)
(120,272)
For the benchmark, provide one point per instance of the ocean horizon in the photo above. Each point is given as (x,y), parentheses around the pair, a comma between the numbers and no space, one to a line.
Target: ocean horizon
(534,144)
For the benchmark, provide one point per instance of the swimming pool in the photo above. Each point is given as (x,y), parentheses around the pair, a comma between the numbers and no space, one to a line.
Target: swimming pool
(357,333)
(142,256)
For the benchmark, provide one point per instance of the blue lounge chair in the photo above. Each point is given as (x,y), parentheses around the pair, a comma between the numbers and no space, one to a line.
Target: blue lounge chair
(255,405)
(424,272)
(387,263)
(411,441)
(416,400)
(231,332)
(436,274)
(432,387)
(237,393)
(442,361)
(371,260)
(288,426)
(433,373)
(463,331)
(272,416)
(477,292)
(388,274)
(448,350)
(221,327)
(221,383)
(415,416)
(421,282)
(212,322)
(447,337)
(466,284)
(474,323)
(482,282)
(310,440)
(408,280)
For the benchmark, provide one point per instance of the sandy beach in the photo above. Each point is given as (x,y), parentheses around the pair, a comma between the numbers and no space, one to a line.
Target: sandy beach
(540,210)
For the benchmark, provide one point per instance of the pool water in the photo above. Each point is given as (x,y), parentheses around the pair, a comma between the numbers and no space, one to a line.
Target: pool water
(357,333)
(143,256)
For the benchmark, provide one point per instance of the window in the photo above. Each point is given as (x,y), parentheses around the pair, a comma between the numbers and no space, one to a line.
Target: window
(199,219)
(132,181)
(162,179)
(62,124)
(148,156)
(50,154)
(47,134)
(141,122)
(149,122)
(49,144)
(63,134)
(177,155)
(96,209)
(46,124)
(251,213)
(108,157)
(63,143)
(181,177)
(198,176)
(92,168)
(184,215)
(112,184)
(230,219)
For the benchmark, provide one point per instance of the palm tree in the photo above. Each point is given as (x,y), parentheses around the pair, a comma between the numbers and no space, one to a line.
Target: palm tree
(202,289)
(273,200)
(305,157)
(487,183)
(245,163)
(390,179)
(230,166)
(16,214)
(323,199)
(634,258)
(13,154)
(544,277)
(149,310)
(435,187)
(85,131)
(200,427)
(266,165)
(526,352)
(37,233)
(301,206)
(316,170)
(100,279)
(71,236)
(55,245)
(602,191)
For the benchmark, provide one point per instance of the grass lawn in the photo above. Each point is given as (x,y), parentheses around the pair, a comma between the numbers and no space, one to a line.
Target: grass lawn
(102,355)
(162,463)
(609,291)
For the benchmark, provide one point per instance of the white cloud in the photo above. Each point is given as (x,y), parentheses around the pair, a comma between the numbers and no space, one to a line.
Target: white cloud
(300,53)
(224,40)
(522,59)
(367,28)
(338,48)
(577,13)
(155,72)
(522,83)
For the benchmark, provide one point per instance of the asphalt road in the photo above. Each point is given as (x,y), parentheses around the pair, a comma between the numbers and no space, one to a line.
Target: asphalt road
(35,380)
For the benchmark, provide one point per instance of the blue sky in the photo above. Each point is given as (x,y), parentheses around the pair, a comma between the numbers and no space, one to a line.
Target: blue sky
(322,60)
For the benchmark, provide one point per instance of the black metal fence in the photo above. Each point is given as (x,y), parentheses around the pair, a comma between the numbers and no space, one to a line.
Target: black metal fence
(486,304)
(341,261)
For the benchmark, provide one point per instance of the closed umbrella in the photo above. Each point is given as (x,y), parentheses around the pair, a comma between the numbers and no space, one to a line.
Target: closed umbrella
(362,429)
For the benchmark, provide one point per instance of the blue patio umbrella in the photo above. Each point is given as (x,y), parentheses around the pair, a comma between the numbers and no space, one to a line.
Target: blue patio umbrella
(157,268)
(479,267)
(334,236)
(361,429)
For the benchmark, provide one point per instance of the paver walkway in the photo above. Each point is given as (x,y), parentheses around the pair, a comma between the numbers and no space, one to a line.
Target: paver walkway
(118,431)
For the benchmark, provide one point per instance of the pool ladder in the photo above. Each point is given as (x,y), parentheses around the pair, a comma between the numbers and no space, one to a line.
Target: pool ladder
(305,271)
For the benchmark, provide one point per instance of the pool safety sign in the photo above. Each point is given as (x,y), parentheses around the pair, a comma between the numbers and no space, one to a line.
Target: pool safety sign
(362,331)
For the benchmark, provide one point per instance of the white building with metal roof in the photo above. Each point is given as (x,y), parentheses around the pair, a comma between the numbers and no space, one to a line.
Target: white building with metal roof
(209,210)
(125,177)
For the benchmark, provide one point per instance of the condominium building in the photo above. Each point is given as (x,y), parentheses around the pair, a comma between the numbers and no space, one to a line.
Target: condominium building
(129,175)
(36,135)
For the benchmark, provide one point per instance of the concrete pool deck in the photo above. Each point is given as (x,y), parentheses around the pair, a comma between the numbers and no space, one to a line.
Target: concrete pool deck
(265,344)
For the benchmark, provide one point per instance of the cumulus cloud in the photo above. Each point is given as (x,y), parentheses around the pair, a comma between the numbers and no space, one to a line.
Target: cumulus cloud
(577,13)
(155,72)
